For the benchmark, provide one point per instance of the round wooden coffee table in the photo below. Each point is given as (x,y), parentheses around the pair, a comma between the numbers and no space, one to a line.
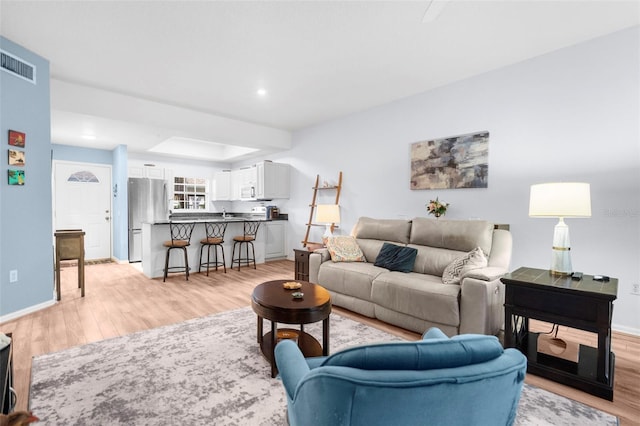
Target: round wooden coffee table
(272,301)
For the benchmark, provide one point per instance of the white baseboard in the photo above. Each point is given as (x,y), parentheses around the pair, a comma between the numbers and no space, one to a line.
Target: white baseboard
(626,330)
(26,311)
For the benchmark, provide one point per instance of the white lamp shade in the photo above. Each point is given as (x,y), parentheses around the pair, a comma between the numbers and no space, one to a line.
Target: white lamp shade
(328,213)
(562,199)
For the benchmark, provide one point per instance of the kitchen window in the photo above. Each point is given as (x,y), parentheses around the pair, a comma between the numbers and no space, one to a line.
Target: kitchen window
(190,193)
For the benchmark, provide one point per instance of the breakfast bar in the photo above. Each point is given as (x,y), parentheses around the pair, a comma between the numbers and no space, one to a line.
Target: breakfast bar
(154,234)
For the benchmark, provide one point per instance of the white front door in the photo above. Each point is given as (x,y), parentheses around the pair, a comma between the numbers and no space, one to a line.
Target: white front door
(82,200)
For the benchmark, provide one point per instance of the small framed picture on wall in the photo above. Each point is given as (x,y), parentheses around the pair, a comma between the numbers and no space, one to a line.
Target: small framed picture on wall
(17,138)
(16,177)
(16,158)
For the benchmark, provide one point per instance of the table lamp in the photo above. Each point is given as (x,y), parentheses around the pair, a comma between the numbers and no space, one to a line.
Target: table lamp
(563,199)
(329,214)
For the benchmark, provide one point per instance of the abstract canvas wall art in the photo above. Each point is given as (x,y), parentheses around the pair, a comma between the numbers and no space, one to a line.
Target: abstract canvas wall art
(453,162)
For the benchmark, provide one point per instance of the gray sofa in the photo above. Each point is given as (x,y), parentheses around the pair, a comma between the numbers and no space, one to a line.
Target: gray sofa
(419,299)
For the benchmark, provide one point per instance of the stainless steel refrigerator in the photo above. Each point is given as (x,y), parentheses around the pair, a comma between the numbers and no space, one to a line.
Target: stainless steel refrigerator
(148,202)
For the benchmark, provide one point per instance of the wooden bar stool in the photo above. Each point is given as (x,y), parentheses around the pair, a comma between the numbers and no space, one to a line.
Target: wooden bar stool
(246,239)
(215,238)
(180,239)
(70,246)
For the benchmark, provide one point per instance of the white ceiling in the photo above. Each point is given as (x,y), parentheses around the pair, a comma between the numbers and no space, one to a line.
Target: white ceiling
(139,72)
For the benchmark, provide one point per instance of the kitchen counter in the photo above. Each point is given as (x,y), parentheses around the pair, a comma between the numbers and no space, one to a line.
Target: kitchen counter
(217,217)
(156,233)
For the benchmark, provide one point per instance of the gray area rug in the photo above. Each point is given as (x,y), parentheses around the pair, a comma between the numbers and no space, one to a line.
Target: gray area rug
(209,371)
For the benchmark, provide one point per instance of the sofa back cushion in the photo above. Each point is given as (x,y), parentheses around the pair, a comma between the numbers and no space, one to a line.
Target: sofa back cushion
(393,230)
(434,260)
(459,235)
(429,354)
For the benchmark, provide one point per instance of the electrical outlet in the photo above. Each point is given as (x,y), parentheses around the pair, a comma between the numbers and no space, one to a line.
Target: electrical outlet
(13,275)
(635,289)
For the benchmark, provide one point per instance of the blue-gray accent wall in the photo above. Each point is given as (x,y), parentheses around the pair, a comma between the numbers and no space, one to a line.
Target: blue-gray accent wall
(120,203)
(26,236)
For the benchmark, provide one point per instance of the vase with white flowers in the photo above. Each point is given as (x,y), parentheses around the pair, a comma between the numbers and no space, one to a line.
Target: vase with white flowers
(437,207)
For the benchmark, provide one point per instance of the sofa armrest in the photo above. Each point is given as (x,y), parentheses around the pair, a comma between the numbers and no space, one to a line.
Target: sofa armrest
(481,304)
(291,365)
(490,273)
(315,260)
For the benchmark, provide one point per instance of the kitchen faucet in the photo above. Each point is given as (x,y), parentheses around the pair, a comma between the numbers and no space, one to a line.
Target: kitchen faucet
(224,213)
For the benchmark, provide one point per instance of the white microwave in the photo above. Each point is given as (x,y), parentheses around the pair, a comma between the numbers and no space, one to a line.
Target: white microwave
(248,192)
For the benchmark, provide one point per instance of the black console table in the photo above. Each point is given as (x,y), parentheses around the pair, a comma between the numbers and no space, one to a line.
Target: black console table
(7,398)
(584,304)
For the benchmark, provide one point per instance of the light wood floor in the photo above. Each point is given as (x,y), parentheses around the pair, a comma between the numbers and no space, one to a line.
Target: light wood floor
(120,300)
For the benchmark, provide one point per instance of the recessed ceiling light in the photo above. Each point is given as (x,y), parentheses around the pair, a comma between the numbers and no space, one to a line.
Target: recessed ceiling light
(261,92)
(89,137)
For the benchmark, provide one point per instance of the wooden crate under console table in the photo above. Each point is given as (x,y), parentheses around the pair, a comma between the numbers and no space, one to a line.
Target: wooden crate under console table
(584,304)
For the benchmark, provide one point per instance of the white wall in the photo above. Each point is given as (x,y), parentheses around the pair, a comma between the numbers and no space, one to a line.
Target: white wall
(572,115)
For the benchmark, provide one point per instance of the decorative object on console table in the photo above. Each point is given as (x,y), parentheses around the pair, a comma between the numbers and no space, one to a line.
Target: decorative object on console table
(564,199)
(585,304)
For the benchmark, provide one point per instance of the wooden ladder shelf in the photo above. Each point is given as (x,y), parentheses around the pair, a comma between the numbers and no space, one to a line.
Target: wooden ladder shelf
(316,187)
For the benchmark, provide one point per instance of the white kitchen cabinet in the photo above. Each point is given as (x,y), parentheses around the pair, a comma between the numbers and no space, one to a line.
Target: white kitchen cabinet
(222,186)
(248,182)
(146,172)
(272,180)
(275,239)
(236,181)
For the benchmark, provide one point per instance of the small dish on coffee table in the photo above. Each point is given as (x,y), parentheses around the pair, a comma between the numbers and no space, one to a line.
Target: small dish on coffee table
(297,295)
(292,285)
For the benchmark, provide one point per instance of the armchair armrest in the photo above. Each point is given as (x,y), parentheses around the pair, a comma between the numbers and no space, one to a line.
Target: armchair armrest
(315,260)
(291,365)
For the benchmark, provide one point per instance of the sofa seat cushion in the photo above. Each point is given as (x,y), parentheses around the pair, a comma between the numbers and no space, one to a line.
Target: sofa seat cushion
(353,279)
(419,295)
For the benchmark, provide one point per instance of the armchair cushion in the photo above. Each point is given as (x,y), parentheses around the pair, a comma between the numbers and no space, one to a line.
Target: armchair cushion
(431,354)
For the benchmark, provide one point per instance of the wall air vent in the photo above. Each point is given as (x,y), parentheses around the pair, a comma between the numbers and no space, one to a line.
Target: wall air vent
(18,67)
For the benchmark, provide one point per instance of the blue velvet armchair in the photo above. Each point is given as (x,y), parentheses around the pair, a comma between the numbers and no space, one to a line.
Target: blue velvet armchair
(465,380)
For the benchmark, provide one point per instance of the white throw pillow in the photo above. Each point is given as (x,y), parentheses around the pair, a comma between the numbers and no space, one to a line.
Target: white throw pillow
(473,260)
